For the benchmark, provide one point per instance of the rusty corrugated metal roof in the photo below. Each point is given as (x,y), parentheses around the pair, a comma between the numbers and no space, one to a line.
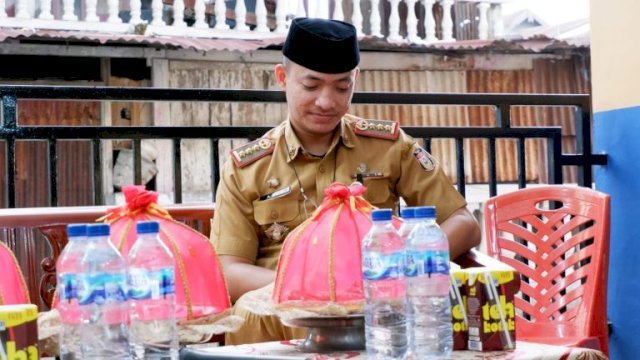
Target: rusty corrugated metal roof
(533,44)
(200,44)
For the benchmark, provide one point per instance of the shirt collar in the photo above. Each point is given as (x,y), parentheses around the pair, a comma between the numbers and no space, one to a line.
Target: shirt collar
(295,147)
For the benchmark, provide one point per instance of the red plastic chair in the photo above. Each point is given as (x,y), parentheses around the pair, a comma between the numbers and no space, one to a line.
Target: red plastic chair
(557,237)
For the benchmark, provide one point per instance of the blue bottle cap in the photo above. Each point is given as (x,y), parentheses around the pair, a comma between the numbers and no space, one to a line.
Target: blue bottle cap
(426,212)
(98,230)
(408,212)
(381,215)
(147,227)
(76,230)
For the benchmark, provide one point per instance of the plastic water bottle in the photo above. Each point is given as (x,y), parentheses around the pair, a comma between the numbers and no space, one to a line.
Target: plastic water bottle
(408,215)
(385,312)
(67,268)
(102,298)
(427,273)
(152,299)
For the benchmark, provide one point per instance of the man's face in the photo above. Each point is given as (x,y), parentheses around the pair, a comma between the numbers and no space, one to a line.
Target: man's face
(316,101)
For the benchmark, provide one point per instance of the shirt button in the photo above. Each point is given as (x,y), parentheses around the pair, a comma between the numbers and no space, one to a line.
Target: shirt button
(321,169)
(274,214)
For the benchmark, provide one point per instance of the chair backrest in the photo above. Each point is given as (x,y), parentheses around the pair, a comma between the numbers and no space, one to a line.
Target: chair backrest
(557,237)
(38,235)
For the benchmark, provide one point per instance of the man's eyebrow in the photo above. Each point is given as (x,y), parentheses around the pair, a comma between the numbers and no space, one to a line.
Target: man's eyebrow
(315,78)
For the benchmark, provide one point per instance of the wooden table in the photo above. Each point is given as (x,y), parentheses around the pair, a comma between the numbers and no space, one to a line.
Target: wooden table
(287,350)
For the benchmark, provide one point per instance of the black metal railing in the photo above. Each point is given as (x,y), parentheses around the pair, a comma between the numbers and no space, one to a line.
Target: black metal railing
(11,131)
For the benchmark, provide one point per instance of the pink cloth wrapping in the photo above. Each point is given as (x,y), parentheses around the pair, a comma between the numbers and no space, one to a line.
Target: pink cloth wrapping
(321,259)
(13,288)
(200,287)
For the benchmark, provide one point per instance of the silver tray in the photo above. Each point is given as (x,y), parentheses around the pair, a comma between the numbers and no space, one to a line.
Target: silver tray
(330,333)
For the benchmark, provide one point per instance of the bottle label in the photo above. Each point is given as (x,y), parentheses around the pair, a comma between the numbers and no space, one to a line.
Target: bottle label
(426,263)
(377,266)
(101,288)
(144,284)
(67,287)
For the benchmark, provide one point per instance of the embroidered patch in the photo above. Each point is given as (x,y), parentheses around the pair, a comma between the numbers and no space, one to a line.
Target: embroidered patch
(423,157)
(250,152)
(382,129)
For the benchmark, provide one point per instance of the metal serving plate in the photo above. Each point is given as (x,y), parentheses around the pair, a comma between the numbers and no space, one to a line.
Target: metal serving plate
(331,333)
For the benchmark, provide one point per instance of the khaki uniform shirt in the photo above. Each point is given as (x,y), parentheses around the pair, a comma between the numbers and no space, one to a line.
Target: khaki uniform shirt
(259,203)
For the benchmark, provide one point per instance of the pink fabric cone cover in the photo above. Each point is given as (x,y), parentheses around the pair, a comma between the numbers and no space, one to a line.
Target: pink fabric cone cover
(200,286)
(13,288)
(321,259)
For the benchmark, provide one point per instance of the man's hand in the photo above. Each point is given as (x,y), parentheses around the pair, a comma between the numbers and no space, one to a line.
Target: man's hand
(243,276)
(462,230)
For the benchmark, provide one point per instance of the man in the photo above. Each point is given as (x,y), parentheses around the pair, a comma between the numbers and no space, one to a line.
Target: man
(274,183)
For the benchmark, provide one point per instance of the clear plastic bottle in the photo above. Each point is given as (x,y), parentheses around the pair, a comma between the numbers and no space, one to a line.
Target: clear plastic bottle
(385,310)
(67,268)
(152,299)
(102,298)
(428,287)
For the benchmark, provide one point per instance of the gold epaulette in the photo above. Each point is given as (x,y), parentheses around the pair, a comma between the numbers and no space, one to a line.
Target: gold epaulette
(250,152)
(383,129)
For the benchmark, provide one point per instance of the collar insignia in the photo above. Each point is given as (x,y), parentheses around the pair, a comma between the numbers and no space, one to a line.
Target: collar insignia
(250,152)
(382,129)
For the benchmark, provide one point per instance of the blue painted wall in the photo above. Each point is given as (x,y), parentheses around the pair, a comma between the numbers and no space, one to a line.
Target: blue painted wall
(617,133)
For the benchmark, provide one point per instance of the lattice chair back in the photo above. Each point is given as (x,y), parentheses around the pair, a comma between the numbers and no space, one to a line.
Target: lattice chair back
(557,238)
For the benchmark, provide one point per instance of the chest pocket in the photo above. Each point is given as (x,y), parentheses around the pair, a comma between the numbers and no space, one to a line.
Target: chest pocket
(283,210)
(377,190)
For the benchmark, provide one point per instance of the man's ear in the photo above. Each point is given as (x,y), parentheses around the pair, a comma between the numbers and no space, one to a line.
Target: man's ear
(281,75)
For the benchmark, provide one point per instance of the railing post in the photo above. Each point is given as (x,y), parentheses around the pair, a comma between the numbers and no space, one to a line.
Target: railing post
(394,22)
(447,22)
(554,155)
(281,17)
(322,9)
(178,14)
(483,24)
(45,10)
(156,12)
(241,16)
(136,12)
(92,11)
(22,9)
(376,20)
(300,12)
(67,10)
(113,12)
(583,146)
(356,18)
(412,22)
(3,12)
(338,13)
(9,122)
(497,22)
(261,17)
(199,10)
(429,21)
(219,9)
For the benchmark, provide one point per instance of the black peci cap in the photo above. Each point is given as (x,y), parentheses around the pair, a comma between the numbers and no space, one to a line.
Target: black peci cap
(327,46)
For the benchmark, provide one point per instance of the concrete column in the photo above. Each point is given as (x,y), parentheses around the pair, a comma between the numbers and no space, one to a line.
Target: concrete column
(616,107)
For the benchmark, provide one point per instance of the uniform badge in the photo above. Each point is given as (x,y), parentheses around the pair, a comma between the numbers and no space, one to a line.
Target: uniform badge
(277,232)
(423,157)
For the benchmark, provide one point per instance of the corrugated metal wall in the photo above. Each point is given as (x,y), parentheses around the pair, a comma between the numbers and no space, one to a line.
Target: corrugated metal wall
(74,157)
(539,74)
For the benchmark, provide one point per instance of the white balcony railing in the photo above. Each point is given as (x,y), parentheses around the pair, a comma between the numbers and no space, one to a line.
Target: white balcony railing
(254,19)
